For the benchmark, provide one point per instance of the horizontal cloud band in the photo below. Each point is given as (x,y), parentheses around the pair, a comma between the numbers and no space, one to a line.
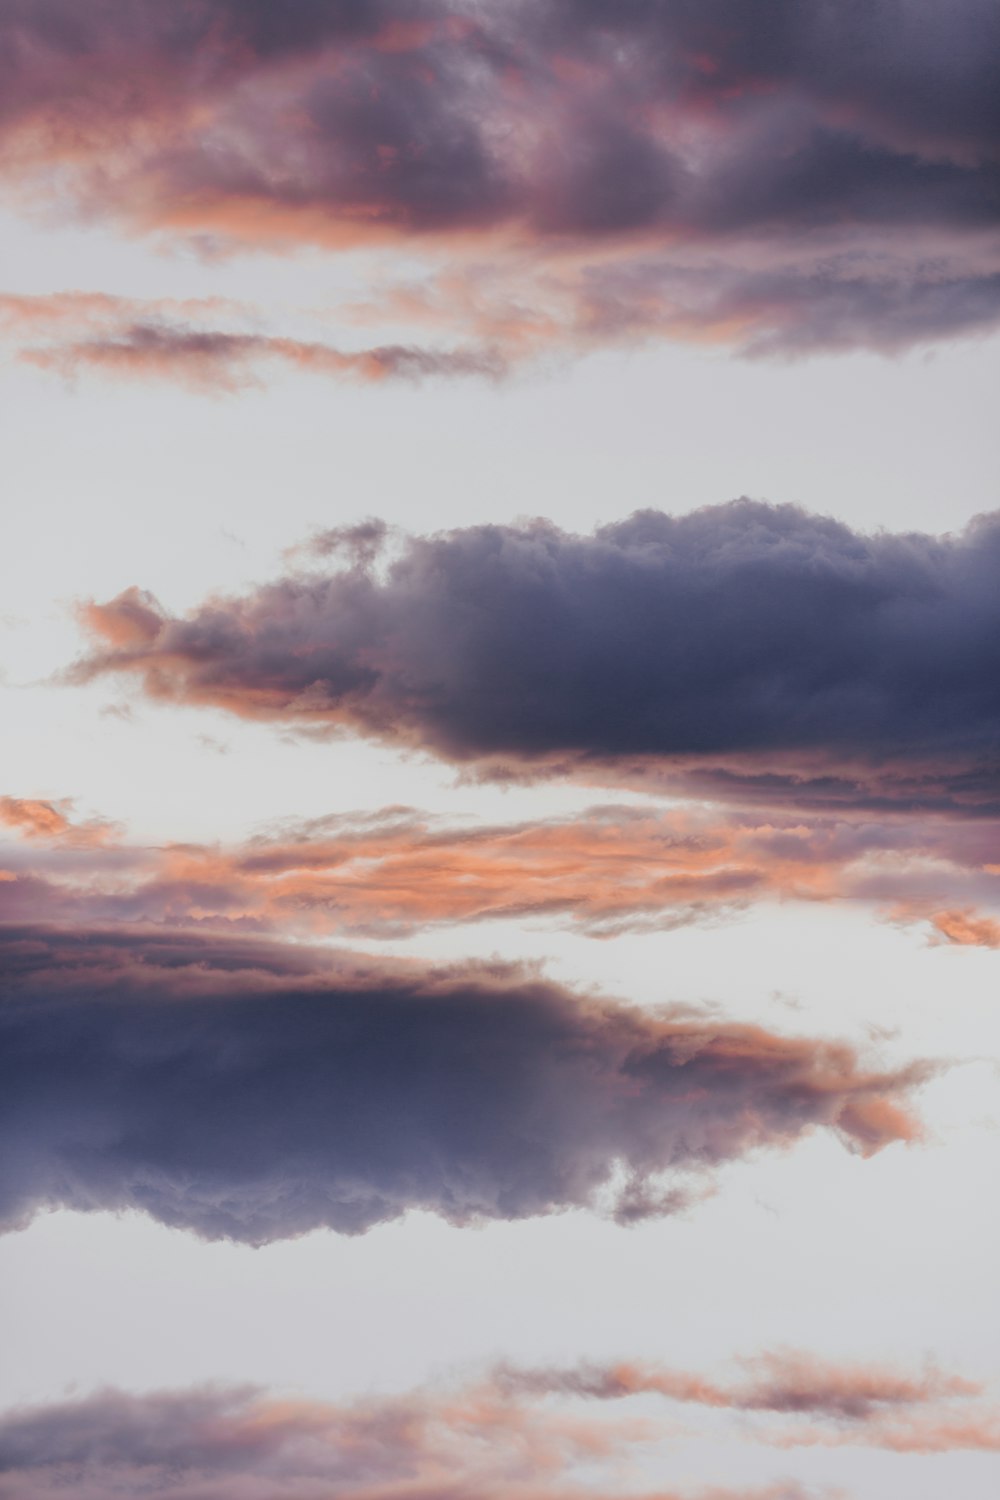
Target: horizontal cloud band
(667,138)
(256,1090)
(744,650)
(500,1436)
(609,869)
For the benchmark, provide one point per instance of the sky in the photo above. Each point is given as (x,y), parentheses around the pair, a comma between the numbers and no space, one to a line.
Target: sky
(500,804)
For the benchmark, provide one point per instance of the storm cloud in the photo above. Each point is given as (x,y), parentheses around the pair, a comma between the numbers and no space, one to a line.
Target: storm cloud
(746,652)
(255,1090)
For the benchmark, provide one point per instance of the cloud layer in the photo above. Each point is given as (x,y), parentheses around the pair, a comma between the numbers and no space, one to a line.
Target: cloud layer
(256,1090)
(503,1435)
(390,873)
(762,181)
(743,651)
(237,1444)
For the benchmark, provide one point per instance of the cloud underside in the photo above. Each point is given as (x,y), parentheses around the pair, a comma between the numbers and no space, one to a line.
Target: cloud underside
(521,1433)
(743,652)
(256,1090)
(820,178)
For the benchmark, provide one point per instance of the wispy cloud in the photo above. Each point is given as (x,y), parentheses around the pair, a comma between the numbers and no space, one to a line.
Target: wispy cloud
(609,869)
(183,342)
(502,1436)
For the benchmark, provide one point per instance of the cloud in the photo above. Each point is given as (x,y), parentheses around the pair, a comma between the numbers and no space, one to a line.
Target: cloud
(762,305)
(966,929)
(254,1090)
(228,362)
(789,1382)
(501,1436)
(747,652)
(172,341)
(51,822)
(224,1443)
(834,1405)
(610,869)
(547,134)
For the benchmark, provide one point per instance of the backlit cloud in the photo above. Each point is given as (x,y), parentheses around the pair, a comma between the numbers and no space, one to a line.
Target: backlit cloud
(256,1090)
(518,1434)
(654,146)
(748,652)
(53,823)
(390,873)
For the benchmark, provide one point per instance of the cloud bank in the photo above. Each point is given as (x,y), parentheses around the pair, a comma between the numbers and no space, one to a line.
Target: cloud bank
(254,1091)
(747,652)
(763,180)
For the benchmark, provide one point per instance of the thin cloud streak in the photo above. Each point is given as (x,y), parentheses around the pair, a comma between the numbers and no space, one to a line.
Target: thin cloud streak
(780,1383)
(502,1435)
(181,342)
(846,1405)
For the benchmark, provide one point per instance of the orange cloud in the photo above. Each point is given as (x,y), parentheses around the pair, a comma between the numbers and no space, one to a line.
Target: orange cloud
(965,929)
(607,870)
(38,820)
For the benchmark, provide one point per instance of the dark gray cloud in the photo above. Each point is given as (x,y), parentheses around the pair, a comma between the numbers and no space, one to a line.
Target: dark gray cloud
(806,129)
(745,651)
(256,1090)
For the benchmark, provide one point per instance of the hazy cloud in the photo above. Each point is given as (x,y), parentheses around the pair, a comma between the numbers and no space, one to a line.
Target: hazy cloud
(501,1436)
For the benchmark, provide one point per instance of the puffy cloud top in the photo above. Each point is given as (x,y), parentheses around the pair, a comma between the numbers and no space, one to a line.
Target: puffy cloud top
(753,651)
